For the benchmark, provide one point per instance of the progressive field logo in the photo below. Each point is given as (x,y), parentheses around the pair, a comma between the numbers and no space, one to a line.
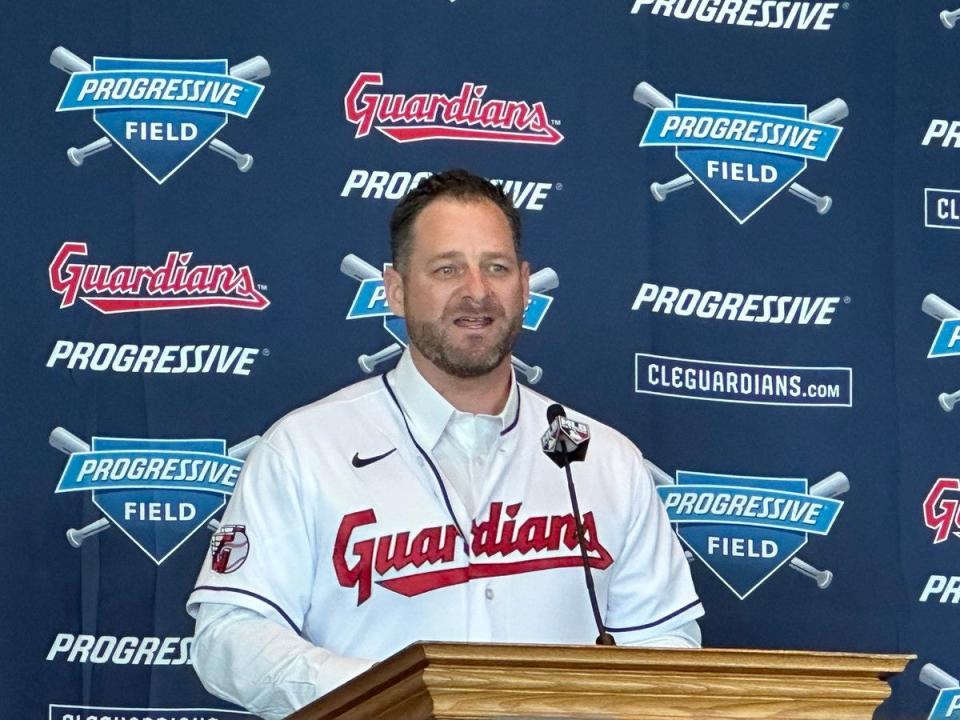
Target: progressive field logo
(370,301)
(741,383)
(158,492)
(743,153)
(160,112)
(946,341)
(468,115)
(745,528)
(175,285)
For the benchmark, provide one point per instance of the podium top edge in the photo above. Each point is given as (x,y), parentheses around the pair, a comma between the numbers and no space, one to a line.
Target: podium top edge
(667,659)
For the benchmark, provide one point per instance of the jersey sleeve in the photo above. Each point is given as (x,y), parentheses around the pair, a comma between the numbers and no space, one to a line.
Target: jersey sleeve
(262,557)
(651,591)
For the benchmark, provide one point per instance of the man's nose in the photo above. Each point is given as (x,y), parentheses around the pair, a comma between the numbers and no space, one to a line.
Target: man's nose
(475,284)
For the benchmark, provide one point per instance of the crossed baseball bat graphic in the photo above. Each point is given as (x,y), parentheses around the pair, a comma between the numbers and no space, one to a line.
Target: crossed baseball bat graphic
(359,269)
(68,443)
(949,18)
(939,309)
(831,113)
(253,69)
(831,486)
(937,678)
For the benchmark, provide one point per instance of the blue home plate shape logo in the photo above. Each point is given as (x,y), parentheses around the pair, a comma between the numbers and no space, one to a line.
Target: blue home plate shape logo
(743,153)
(370,301)
(158,492)
(160,112)
(745,528)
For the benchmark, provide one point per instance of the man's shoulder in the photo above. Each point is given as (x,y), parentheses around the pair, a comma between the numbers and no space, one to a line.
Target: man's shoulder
(335,413)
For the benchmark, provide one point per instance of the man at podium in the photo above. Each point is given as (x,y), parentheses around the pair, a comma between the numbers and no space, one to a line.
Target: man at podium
(418,505)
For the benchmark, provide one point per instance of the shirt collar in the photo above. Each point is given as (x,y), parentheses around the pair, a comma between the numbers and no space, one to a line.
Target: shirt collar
(428,411)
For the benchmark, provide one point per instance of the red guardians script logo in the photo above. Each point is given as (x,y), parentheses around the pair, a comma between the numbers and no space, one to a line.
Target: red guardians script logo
(941,509)
(465,116)
(552,540)
(135,288)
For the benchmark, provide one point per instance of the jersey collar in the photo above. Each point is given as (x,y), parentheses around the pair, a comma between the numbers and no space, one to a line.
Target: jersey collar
(429,412)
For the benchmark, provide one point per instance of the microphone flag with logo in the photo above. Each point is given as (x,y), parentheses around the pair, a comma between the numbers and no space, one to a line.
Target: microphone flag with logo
(566,440)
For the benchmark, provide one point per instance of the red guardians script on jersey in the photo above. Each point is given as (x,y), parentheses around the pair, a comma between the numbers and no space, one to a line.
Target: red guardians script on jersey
(500,535)
(135,288)
(435,116)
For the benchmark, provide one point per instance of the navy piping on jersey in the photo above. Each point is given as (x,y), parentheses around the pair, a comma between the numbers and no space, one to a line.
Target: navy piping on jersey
(436,473)
(516,418)
(271,603)
(656,622)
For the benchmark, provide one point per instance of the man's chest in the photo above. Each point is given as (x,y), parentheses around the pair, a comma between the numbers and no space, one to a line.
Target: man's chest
(397,527)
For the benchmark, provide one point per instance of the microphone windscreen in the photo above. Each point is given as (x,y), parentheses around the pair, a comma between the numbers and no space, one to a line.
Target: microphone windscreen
(554,411)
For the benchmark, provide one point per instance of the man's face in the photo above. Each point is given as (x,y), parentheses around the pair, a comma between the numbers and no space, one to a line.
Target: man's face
(463,291)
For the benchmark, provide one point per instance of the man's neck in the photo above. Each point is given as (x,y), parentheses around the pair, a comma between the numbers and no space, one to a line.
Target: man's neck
(483,395)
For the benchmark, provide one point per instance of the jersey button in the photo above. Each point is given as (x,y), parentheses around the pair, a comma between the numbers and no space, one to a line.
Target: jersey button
(489,593)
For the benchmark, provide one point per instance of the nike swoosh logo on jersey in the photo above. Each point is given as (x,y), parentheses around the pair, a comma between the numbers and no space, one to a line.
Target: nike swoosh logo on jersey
(359,462)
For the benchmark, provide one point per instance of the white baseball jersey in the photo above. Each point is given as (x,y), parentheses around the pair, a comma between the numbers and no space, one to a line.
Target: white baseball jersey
(343,527)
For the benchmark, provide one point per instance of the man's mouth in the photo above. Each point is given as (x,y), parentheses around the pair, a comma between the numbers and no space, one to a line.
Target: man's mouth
(473,322)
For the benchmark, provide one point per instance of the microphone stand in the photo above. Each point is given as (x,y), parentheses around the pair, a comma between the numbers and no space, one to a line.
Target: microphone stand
(604,638)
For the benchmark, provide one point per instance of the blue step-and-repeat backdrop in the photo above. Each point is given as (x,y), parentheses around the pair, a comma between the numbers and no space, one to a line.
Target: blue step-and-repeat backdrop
(745,215)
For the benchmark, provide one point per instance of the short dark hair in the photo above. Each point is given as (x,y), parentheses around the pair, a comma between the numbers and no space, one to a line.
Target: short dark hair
(457,184)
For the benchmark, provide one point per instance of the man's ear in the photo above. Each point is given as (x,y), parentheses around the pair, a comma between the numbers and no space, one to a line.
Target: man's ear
(393,285)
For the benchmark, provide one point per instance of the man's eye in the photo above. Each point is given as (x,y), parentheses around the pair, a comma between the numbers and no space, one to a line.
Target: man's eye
(498,268)
(445,270)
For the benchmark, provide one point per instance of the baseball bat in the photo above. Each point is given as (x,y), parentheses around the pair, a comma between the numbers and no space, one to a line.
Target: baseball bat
(63,59)
(369,362)
(948,400)
(661,190)
(830,113)
(544,280)
(66,442)
(76,156)
(646,94)
(822,203)
(358,269)
(832,485)
(949,18)
(932,676)
(243,161)
(823,578)
(938,308)
(256,68)
(76,536)
(532,373)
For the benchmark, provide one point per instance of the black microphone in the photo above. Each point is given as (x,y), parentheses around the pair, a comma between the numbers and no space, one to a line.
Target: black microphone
(565,442)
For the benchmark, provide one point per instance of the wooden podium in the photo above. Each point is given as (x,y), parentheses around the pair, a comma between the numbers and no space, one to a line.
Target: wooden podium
(467,681)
